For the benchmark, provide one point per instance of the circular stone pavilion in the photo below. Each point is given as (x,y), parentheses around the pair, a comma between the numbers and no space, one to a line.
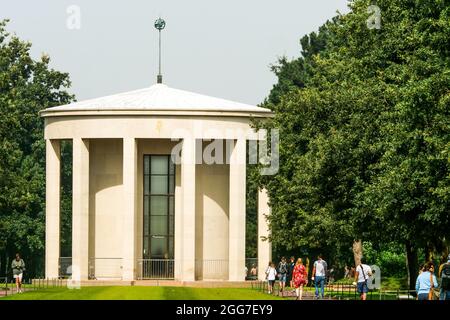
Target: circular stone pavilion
(138,213)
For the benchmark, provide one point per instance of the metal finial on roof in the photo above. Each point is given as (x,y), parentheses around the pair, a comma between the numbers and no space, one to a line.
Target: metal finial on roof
(159,24)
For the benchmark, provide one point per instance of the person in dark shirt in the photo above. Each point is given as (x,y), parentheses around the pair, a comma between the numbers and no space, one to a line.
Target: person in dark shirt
(282,273)
(290,271)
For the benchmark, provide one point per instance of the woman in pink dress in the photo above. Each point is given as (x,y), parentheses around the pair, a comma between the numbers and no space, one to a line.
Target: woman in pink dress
(300,278)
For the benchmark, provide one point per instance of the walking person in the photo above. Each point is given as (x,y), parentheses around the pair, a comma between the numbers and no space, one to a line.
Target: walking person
(362,274)
(18,267)
(444,274)
(346,272)
(290,272)
(352,273)
(422,268)
(282,273)
(331,276)
(426,282)
(253,272)
(300,278)
(318,276)
(271,274)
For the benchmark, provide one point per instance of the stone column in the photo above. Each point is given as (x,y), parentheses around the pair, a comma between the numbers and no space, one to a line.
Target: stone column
(52,207)
(80,210)
(237,207)
(188,209)
(129,209)
(264,247)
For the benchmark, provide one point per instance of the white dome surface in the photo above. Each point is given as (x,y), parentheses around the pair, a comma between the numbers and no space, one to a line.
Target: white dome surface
(158,97)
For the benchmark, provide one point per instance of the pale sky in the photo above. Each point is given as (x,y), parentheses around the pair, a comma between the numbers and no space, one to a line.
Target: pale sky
(218,48)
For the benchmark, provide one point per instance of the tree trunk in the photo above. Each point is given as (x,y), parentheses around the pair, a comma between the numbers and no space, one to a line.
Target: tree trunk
(5,262)
(428,252)
(2,263)
(411,265)
(6,266)
(357,252)
(445,253)
(307,265)
(442,249)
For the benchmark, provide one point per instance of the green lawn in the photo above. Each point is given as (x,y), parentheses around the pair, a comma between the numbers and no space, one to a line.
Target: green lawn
(142,293)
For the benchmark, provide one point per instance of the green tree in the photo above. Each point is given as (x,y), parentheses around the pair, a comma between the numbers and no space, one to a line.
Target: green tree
(293,74)
(365,141)
(26,87)
(411,189)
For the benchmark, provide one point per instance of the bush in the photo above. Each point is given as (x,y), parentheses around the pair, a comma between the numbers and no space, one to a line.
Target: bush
(390,258)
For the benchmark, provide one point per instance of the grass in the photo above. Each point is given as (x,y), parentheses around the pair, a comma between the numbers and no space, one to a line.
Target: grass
(142,293)
(187,293)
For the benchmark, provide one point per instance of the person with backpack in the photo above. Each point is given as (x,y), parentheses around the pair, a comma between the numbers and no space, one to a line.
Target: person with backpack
(18,267)
(426,282)
(318,276)
(282,273)
(362,275)
(444,274)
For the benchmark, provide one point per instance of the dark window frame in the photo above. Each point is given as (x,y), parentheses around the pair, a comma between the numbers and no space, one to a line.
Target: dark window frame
(170,196)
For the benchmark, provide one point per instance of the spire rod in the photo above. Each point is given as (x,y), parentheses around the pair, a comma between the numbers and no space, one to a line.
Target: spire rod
(159,24)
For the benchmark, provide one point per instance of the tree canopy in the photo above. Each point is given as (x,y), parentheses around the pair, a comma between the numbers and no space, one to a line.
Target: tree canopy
(364,128)
(26,87)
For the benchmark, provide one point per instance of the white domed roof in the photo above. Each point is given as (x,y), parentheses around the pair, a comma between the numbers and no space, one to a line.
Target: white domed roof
(158,97)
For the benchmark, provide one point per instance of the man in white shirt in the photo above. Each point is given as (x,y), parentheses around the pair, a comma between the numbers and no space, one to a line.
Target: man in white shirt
(318,276)
(362,275)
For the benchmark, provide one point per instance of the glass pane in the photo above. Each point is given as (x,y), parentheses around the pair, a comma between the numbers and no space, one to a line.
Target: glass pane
(158,225)
(171,206)
(159,247)
(171,225)
(171,248)
(159,164)
(171,166)
(146,225)
(159,184)
(146,200)
(146,253)
(146,165)
(158,205)
(171,184)
(146,184)
(146,221)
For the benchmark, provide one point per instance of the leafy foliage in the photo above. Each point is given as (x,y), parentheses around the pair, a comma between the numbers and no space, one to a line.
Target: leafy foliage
(390,258)
(365,132)
(26,86)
